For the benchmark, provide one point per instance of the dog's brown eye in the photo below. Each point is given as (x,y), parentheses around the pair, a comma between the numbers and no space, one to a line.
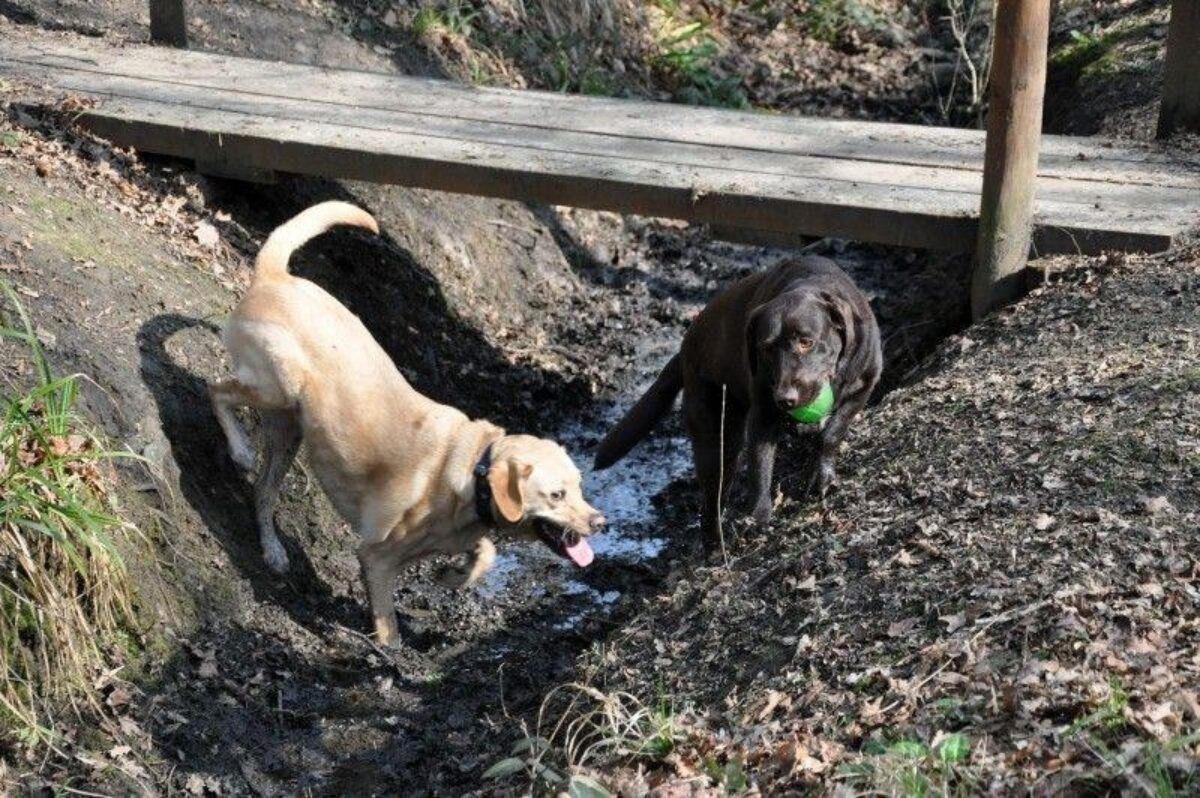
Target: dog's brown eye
(558,495)
(804,345)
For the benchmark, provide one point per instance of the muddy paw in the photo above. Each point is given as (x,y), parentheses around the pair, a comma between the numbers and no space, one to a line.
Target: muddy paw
(275,556)
(386,634)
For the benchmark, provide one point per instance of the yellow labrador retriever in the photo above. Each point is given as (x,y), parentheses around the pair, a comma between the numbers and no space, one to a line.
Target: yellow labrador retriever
(412,476)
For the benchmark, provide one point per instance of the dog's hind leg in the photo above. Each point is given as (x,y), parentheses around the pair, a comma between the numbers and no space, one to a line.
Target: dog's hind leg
(233,392)
(227,395)
(281,435)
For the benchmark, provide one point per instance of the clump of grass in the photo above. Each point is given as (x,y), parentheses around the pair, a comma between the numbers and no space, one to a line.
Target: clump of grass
(64,589)
(833,21)
(913,769)
(452,20)
(1084,51)
(593,728)
(688,55)
(1090,55)
(1108,735)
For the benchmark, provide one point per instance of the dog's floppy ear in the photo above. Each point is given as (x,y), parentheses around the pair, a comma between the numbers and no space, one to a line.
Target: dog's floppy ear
(762,326)
(841,313)
(507,479)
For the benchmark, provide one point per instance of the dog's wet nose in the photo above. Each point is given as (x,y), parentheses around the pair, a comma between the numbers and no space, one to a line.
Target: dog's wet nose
(787,399)
(597,522)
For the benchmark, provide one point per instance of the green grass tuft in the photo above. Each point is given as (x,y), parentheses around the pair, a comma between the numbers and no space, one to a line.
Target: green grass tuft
(688,55)
(593,729)
(911,768)
(833,21)
(64,589)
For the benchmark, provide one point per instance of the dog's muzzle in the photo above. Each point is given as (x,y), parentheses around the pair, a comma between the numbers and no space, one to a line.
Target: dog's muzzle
(567,542)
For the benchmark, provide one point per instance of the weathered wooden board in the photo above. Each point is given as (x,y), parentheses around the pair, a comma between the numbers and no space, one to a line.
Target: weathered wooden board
(898,184)
(426,99)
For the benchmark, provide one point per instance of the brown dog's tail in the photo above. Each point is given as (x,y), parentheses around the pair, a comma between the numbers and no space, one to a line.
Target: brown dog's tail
(291,235)
(641,418)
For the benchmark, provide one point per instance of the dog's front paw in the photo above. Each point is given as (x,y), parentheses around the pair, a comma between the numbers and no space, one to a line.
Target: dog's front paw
(387,634)
(275,556)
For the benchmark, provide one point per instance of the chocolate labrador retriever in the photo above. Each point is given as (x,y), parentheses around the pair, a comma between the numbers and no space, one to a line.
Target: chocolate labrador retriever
(772,340)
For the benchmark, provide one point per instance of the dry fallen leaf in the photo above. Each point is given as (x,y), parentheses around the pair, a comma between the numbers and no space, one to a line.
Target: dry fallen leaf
(1158,505)
(1152,589)
(774,699)
(954,622)
(1043,522)
(194,784)
(902,627)
(207,235)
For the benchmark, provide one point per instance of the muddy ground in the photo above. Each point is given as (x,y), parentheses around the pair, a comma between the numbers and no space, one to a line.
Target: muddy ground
(541,319)
(284,661)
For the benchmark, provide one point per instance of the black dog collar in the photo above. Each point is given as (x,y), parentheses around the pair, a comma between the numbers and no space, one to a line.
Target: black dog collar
(483,488)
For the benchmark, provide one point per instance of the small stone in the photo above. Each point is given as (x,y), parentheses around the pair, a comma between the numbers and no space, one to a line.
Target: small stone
(1157,505)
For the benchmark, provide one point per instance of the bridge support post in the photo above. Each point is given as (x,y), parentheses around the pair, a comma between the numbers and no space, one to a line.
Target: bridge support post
(1014,130)
(168,23)
(1181,88)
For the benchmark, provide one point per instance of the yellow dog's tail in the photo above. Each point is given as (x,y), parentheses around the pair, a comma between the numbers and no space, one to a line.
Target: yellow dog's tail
(273,258)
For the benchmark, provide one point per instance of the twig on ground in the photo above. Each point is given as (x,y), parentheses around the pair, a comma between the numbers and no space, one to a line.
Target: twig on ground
(721,478)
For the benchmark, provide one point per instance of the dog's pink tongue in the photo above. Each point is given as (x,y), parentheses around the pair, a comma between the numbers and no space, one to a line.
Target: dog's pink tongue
(581,553)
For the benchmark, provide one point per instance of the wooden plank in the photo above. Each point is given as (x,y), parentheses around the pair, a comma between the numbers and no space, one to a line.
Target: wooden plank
(830,178)
(168,22)
(1124,200)
(1144,226)
(1018,84)
(425,99)
(1181,87)
(887,214)
(642,187)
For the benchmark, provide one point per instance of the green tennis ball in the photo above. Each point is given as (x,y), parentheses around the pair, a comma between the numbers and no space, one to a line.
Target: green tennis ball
(815,411)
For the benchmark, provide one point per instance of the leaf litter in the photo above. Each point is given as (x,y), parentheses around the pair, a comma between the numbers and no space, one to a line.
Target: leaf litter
(1051,638)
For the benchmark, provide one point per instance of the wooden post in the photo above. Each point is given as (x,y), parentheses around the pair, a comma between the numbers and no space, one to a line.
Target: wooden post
(1014,132)
(168,23)
(1181,88)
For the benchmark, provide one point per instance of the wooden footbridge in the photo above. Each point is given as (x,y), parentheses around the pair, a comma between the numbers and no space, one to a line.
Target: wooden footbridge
(763,175)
